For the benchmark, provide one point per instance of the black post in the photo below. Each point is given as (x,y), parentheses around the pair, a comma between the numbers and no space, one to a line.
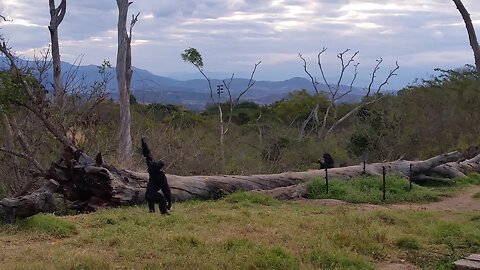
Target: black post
(384,185)
(364,166)
(326,180)
(410,176)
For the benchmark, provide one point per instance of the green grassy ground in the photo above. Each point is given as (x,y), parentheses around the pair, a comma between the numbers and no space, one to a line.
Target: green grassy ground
(241,231)
(370,189)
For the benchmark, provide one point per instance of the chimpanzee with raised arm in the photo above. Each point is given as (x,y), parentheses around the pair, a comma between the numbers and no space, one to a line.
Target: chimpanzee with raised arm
(157,181)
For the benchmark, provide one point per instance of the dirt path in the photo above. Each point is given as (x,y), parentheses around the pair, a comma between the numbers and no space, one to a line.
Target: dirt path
(462,200)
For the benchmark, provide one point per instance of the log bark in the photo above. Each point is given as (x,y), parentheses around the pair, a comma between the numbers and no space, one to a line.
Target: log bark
(122,69)
(36,202)
(56,17)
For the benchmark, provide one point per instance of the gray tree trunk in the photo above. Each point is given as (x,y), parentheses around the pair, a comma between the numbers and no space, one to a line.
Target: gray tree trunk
(123,79)
(39,201)
(471,32)
(56,17)
(100,184)
(95,184)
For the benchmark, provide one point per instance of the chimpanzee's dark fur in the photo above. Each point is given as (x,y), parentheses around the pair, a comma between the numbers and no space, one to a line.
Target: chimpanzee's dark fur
(157,181)
(327,162)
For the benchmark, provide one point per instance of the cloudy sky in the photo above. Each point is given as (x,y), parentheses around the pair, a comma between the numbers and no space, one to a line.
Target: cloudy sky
(232,35)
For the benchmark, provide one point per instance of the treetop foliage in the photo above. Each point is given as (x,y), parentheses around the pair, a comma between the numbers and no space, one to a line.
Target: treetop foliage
(191,55)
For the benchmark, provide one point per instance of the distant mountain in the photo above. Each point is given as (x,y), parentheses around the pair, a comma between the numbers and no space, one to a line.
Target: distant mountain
(194,94)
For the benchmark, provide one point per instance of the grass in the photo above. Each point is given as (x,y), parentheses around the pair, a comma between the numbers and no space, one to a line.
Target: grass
(241,231)
(45,225)
(370,190)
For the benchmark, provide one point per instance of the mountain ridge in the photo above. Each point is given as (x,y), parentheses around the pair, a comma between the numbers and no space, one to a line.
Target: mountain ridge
(193,93)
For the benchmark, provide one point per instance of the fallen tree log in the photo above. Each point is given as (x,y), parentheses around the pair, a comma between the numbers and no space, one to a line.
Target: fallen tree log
(102,185)
(36,202)
(421,171)
(95,184)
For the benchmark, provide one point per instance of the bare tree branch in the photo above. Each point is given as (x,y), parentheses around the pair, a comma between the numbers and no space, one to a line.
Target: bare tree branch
(471,33)
(32,160)
(335,94)
(390,75)
(5,19)
(319,62)
(37,110)
(373,76)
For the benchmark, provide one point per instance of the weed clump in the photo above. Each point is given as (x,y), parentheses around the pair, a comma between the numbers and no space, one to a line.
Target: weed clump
(46,225)
(408,243)
(251,198)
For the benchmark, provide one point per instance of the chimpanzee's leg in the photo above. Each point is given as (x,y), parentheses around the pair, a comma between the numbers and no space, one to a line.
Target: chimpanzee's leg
(158,197)
(151,206)
(162,203)
(150,201)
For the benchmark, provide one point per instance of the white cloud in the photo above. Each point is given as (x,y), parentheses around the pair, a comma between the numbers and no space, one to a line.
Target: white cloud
(234,34)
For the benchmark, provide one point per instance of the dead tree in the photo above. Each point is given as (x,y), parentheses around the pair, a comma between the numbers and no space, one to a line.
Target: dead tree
(124,77)
(94,184)
(33,98)
(471,33)
(56,18)
(192,56)
(335,93)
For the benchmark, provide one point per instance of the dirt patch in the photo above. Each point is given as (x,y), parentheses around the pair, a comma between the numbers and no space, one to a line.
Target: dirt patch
(463,200)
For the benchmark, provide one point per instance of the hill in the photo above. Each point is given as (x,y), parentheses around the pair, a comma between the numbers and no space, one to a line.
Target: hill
(193,94)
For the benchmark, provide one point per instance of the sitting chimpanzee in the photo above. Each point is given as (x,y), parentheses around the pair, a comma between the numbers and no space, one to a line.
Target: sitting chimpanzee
(157,181)
(327,162)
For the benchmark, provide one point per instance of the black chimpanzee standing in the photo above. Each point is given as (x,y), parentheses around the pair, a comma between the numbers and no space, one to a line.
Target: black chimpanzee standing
(327,162)
(157,181)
